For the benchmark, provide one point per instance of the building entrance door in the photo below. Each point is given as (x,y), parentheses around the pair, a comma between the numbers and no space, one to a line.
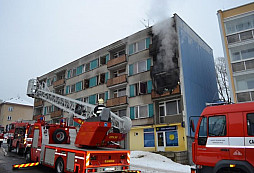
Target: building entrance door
(160,141)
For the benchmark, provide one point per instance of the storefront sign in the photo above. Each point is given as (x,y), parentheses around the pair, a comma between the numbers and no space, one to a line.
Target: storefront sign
(166,128)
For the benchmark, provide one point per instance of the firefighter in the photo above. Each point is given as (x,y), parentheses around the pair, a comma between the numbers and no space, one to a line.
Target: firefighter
(98,108)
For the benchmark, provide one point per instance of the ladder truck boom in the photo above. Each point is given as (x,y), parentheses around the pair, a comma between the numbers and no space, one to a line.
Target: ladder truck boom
(74,107)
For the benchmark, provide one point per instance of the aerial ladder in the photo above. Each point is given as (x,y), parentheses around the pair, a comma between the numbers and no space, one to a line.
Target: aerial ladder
(94,131)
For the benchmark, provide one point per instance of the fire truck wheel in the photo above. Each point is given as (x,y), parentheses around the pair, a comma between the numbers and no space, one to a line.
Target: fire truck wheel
(18,150)
(59,165)
(28,156)
(9,146)
(59,136)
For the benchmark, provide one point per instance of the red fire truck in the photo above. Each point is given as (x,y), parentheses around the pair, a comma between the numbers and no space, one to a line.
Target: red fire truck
(17,136)
(224,139)
(1,135)
(91,148)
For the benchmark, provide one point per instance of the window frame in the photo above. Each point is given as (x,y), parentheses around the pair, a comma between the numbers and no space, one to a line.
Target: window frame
(208,123)
(149,132)
(163,104)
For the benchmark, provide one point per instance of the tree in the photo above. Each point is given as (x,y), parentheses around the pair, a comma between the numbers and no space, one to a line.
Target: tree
(222,79)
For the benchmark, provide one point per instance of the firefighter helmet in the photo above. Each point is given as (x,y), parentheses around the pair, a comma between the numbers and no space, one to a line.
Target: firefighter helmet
(101,101)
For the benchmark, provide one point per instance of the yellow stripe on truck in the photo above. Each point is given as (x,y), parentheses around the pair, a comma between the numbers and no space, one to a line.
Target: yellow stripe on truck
(25,165)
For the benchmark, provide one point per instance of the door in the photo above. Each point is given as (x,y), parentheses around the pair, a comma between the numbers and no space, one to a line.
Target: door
(160,141)
(249,137)
(213,144)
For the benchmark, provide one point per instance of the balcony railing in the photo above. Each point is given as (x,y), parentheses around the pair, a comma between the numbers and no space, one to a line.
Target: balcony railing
(116,101)
(56,114)
(59,83)
(116,61)
(38,103)
(175,91)
(117,80)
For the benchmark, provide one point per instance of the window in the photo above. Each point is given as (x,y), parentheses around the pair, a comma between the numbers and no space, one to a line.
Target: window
(217,126)
(202,134)
(139,67)
(239,66)
(72,88)
(74,72)
(143,111)
(86,83)
(244,82)
(250,124)
(103,78)
(101,96)
(162,113)
(119,53)
(103,60)
(143,88)
(87,67)
(243,97)
(237,25)
(121,92)
(171,138)
(122,112)
(149,137)
(139,46)
(246,35)
(243,52)
(9,118)
(10,109)
(140,88)
(233,38)
(173,107)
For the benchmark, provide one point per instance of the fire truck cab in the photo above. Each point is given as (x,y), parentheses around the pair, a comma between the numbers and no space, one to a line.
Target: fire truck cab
(224,139)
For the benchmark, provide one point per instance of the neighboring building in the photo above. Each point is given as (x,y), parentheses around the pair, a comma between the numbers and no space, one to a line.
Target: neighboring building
(237,32)
(15,109)
(159,86)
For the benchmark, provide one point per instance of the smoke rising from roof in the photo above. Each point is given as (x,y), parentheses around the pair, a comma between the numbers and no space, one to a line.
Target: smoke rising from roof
(159,10)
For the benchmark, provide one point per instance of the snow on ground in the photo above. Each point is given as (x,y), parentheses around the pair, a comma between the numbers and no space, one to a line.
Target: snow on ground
(148,162)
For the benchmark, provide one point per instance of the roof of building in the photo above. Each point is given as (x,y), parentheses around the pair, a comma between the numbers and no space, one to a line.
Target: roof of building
(17,101)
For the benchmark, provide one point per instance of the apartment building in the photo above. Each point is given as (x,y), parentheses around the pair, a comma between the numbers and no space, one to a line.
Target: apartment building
(15,109)
(158,77)
(237,33)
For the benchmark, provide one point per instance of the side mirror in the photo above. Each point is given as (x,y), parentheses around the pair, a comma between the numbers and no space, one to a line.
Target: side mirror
(192,126)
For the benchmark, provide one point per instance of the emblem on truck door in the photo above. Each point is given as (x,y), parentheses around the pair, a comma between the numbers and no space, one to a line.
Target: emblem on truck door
(237,153)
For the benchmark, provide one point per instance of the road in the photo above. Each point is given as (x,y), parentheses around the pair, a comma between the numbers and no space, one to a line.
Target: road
(7,159)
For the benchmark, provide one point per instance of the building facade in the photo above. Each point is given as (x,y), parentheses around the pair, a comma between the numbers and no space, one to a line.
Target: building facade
(159,77)
(15,109)
(237,33)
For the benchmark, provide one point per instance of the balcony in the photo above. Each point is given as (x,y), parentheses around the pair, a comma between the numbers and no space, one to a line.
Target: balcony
(116,101)
(117,80)
(59,83)
(56,114)
(116,61)
(38,103)
(175,91)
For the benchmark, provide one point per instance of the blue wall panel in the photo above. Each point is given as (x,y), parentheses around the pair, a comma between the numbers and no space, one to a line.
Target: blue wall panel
(199,76)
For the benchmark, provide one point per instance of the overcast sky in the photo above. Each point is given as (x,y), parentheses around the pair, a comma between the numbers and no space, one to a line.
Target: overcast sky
(38,36)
